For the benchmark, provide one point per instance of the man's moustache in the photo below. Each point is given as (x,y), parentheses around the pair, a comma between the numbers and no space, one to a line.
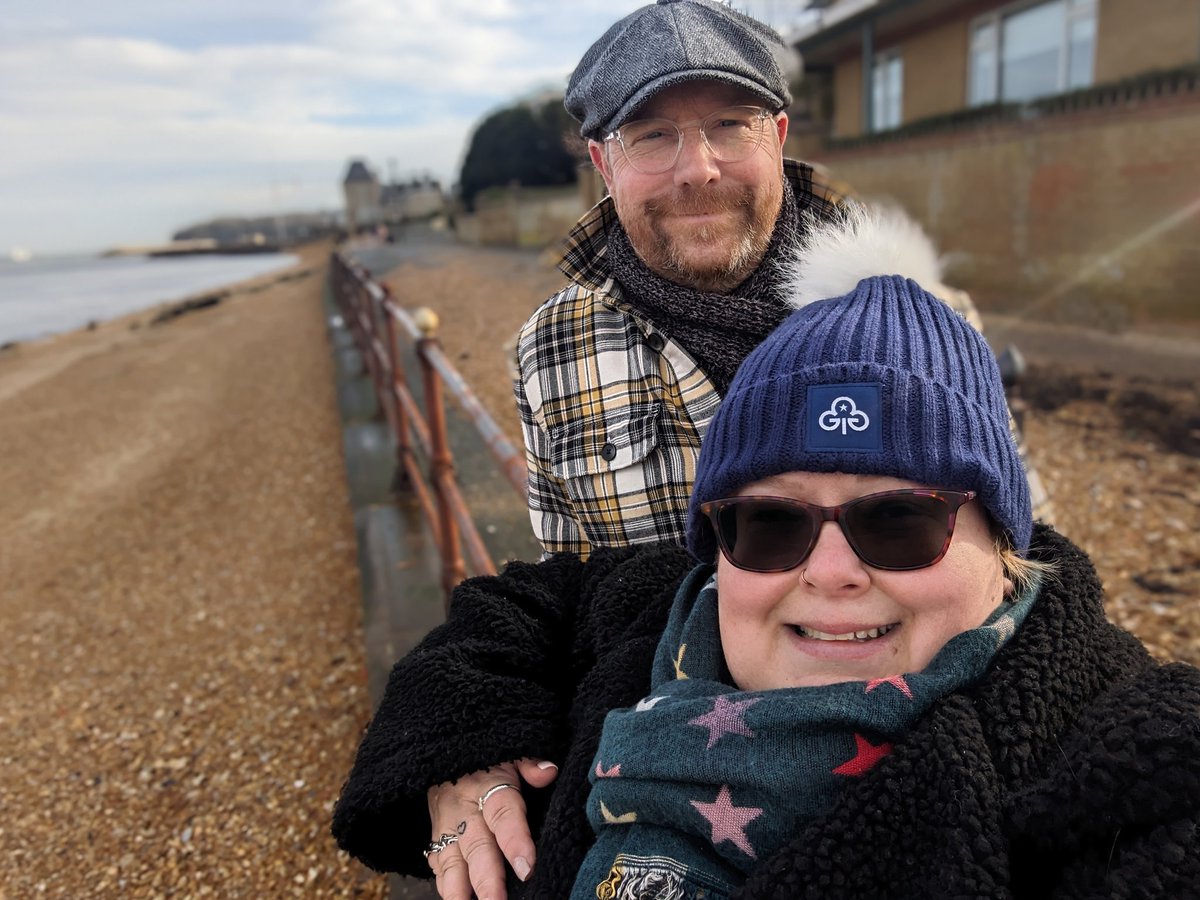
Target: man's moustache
(691,205)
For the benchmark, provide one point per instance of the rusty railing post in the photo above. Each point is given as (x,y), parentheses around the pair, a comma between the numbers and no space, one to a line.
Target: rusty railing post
(440,463)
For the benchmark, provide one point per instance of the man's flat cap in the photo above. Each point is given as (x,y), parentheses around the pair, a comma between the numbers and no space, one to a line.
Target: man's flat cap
(667,43)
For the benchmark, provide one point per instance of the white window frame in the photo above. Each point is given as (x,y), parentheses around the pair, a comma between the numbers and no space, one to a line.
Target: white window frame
(1075,11)
(886,120)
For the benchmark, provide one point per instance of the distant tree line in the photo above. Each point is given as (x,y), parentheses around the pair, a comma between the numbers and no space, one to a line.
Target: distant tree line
(287,228)
(527,144)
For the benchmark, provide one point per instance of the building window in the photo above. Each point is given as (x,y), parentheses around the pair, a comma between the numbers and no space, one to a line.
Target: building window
(1027,51)
(887,91)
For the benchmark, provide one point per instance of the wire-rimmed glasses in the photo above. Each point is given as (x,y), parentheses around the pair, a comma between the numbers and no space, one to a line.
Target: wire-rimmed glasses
(652,146)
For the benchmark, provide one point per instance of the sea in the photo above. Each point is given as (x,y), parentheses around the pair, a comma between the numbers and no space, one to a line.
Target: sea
(47,295)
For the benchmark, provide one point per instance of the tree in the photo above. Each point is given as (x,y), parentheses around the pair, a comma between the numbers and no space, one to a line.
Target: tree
(521,144)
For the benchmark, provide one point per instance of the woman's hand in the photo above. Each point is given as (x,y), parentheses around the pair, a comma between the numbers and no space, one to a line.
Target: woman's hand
(484,840)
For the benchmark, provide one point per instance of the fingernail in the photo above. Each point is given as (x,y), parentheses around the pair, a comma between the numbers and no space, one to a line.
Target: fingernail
(546,764)
(521,867)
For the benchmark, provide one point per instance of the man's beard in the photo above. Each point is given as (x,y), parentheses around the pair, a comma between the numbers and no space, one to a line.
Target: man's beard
(666,254)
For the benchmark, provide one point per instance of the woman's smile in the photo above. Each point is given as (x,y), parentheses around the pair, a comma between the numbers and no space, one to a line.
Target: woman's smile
(851,633)
(865,647)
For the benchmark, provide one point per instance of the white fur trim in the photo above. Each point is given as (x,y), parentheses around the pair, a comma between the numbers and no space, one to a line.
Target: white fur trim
(833,258)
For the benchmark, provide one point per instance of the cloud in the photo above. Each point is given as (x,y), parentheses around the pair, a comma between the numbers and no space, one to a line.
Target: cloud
(126,114)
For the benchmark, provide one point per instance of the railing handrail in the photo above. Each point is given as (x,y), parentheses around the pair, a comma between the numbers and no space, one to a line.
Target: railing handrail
(378,323)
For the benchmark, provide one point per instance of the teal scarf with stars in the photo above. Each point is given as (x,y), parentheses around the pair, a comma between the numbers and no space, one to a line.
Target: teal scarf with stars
(700,781)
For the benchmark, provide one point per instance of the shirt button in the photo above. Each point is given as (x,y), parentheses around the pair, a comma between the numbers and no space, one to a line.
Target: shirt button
(656,341)
(609,452)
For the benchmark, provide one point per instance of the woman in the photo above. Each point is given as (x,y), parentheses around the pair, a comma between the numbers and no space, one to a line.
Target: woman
(881,681)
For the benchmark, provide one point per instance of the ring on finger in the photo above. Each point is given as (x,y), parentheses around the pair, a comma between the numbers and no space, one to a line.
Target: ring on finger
(488,793)
(440,844)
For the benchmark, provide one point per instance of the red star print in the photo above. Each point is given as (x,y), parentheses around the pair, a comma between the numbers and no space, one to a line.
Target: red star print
(865,757)
(896,681)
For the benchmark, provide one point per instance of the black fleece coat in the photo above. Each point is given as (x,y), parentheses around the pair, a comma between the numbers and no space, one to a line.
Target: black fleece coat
(1071,770)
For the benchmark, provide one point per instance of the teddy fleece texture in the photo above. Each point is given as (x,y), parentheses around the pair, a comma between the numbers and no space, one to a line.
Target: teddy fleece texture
(1071,770)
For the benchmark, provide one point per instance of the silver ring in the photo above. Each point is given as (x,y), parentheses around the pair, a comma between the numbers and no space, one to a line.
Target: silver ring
(440,844)
(492,790)
(804,577)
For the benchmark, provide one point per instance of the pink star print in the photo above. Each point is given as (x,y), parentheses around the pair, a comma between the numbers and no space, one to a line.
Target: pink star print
(612,772)
(725,718)
(865,757)
(896,681)
(728,821)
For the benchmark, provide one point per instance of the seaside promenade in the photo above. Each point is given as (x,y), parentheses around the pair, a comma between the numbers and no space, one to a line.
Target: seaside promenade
(182,684)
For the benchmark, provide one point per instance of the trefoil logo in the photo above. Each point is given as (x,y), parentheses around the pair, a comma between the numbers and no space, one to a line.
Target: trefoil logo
(844,413)
(844,418)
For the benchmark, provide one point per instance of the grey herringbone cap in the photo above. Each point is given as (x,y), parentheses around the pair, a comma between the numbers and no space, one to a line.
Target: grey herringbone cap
(667,43)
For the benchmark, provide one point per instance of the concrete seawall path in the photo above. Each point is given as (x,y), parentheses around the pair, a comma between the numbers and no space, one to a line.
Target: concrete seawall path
(182,683)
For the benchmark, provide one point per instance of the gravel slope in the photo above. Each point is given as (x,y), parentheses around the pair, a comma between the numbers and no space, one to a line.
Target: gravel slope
(182,680)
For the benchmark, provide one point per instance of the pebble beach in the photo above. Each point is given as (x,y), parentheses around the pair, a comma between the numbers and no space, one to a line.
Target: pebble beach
(182,684)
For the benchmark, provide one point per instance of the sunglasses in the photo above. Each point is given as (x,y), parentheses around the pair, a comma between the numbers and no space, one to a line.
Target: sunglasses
(894,530)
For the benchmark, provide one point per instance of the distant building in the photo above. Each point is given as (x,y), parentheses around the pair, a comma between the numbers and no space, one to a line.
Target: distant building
(1048,145)
(419,198)
(363,197)
(369,203)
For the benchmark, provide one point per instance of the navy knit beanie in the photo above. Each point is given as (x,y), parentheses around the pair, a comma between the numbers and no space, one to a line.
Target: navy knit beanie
(885,380)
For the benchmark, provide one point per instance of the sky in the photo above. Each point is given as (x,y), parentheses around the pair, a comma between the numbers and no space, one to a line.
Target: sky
(126,120)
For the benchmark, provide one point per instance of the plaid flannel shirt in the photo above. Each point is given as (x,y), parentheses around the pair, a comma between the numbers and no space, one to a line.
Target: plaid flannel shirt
(612,410)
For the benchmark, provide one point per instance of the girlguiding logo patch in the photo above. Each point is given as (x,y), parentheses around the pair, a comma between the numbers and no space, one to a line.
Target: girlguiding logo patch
(844,417)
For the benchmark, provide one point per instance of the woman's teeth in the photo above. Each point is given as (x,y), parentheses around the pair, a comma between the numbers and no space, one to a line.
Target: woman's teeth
(866,635)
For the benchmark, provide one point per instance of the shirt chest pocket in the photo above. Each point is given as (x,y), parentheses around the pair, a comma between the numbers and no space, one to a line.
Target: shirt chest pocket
(596,445)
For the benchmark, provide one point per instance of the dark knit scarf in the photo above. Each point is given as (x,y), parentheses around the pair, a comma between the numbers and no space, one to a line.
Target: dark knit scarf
(701,781)
(718,330)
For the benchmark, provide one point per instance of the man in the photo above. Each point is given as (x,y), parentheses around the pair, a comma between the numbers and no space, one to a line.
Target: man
(673,276)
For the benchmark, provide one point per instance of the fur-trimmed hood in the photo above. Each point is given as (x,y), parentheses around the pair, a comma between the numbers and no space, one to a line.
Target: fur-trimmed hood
(833,257)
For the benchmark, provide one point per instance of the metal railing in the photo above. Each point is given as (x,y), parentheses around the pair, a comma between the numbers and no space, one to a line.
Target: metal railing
(382,329)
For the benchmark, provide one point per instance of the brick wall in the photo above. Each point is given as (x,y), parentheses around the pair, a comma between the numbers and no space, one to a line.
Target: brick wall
(935,70)
(1091,215)
(523,216)
(1135,36)
(847,98)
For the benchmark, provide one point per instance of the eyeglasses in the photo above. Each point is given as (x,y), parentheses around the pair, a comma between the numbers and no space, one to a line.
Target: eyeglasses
(652,146)
(894,530)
